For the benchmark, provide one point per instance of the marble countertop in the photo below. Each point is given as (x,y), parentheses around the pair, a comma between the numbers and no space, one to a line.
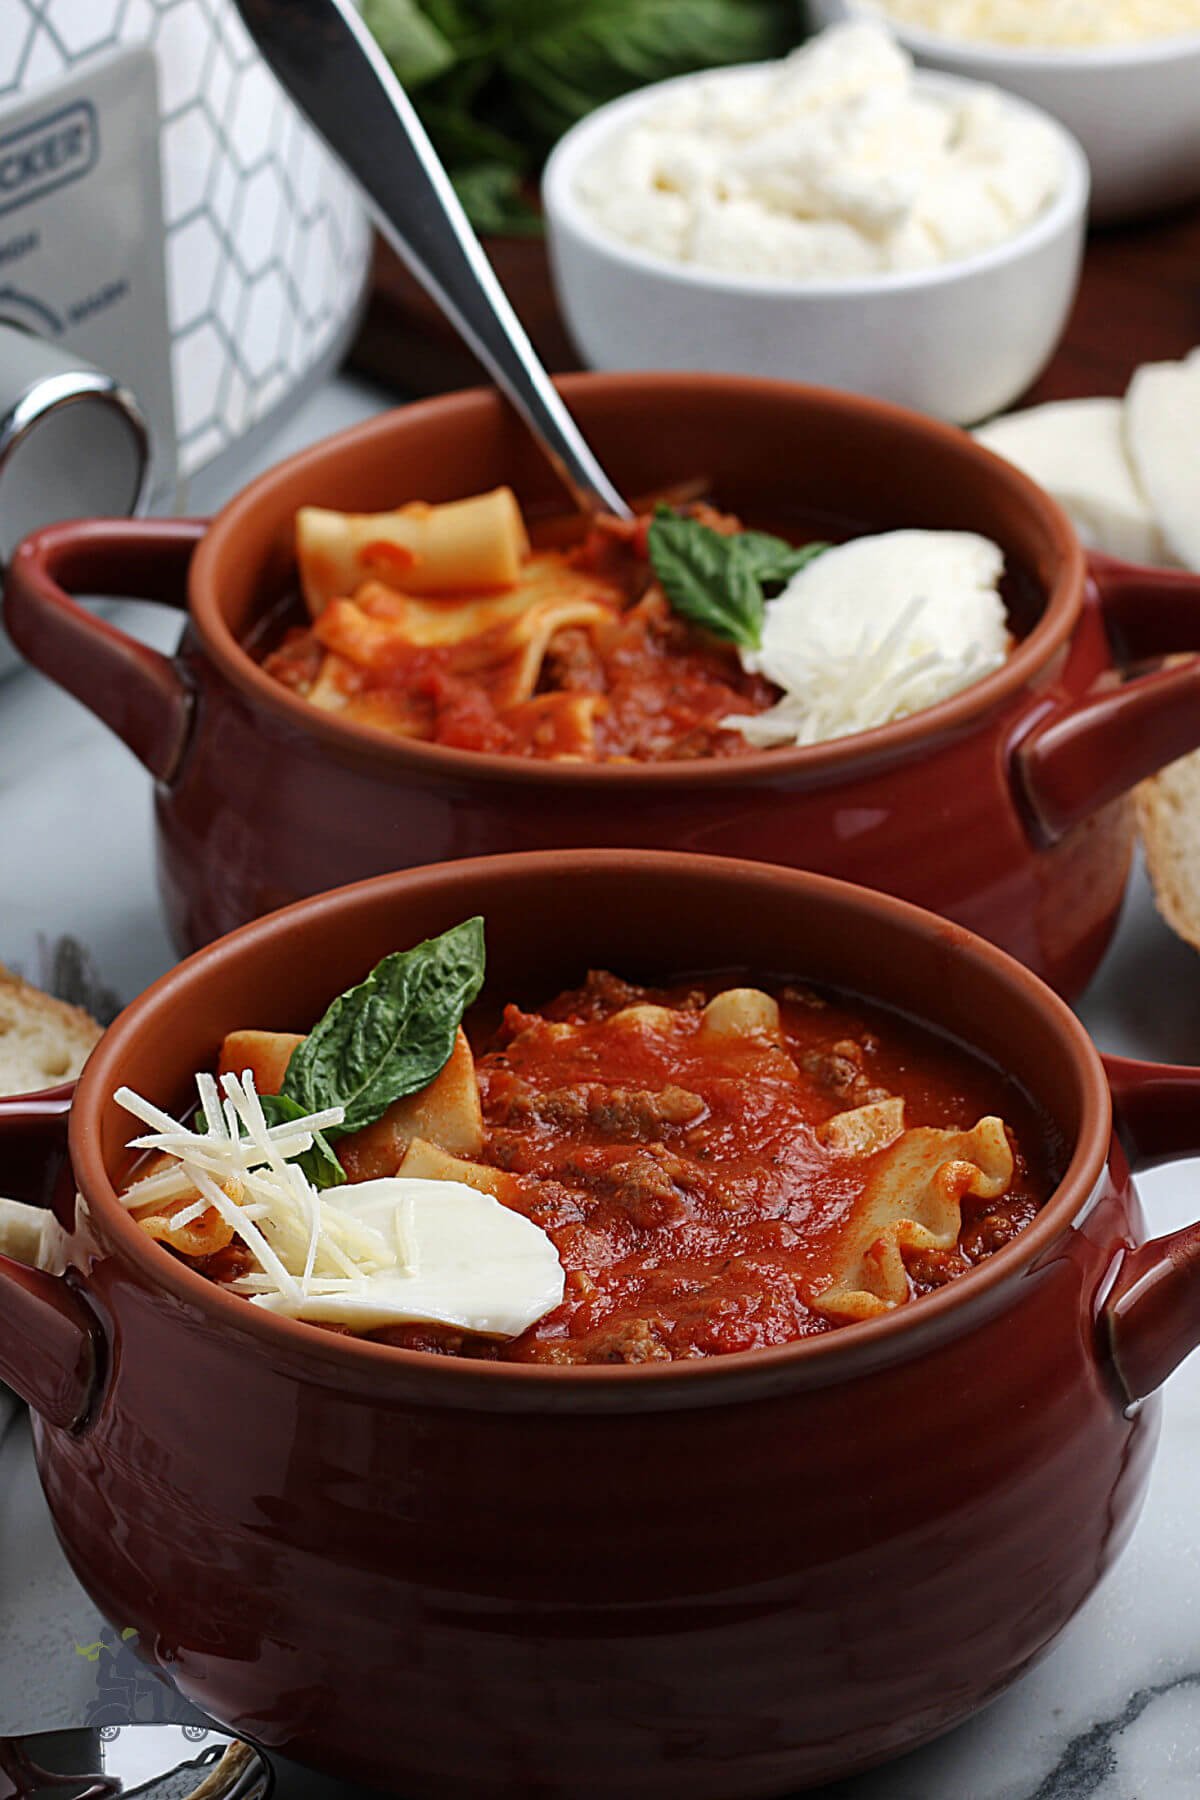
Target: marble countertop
(1112,1714)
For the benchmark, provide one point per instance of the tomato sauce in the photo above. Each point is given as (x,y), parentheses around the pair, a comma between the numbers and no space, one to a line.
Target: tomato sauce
(641,684)
(655,687)
(680,1174)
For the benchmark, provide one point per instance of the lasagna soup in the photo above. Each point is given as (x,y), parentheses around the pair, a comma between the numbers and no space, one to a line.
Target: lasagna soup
(622,1175)
(673,636)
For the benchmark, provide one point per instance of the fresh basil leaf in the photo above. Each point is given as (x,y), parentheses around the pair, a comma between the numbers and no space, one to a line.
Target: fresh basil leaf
(390,1035)
(774,560)
(707,578)
(409,39)
(498,81)
(562,60)
(720,581)
(319,1164)
(455,19)
(494,201)
(466,143)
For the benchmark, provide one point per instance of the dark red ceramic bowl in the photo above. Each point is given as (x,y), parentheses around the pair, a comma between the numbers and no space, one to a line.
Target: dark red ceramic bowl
(701,1579)
(1000,808)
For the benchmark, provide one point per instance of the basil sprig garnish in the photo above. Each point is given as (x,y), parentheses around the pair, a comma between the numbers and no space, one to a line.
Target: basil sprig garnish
(382,1040)
(722,582)
(320,1164)
(774,560)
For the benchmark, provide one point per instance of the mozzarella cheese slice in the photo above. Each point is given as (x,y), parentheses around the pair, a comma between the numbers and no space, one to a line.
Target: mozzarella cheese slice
(876,629)
(1162,411)
(396,1250)
(1075,449)
(463,1259)
(859,592)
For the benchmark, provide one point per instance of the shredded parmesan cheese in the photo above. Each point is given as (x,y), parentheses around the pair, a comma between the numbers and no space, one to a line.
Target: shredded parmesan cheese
(1046,24)
(381,1252)
(874,630)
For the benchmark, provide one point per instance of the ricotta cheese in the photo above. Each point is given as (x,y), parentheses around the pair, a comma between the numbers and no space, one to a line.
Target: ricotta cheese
(875,629)
(1045,24)
(831,164)
(392,1251)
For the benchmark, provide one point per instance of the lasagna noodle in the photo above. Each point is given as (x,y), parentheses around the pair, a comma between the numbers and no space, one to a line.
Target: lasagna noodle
(912,1201)
(565,724)
(429,1162)
(447,1114)
(743,1013)
(203,1236)
(742,1025)
(463,545)
(337,688)
(644,1015)
(864,1129)
(444,1118)
(737,1013)
(501,640)
(265,1053)
(330,690)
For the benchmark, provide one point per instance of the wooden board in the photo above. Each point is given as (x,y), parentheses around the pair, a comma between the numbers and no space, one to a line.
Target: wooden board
(1139,302)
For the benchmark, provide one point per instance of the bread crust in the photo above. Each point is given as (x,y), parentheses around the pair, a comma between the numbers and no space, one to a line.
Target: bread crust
(21,1230)
(43,1041)
(1168,812)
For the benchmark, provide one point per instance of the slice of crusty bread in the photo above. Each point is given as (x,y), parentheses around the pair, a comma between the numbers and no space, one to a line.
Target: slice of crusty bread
(42,1040)
(21,1231)
(1168,807)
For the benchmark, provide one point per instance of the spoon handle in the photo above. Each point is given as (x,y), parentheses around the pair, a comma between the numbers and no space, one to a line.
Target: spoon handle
(327,60)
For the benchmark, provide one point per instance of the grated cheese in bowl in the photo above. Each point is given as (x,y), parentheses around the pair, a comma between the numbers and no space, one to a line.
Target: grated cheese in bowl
(1044,24)
(876,629)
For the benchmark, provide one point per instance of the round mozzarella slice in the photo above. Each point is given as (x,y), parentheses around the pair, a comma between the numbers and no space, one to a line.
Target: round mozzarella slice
(1075,449)
(1161,410)
(462,1259)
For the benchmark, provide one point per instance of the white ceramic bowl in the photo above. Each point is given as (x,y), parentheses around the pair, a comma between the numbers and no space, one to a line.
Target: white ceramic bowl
(960,341)
(1135,108)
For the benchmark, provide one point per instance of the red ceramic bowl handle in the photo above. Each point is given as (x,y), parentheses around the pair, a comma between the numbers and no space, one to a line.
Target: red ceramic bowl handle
(137,692)
(51,1345)
(1152,1316)
(1096,750)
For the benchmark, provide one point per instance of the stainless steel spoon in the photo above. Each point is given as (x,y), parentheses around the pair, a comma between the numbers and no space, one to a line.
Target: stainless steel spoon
(327,60)
(159,1762)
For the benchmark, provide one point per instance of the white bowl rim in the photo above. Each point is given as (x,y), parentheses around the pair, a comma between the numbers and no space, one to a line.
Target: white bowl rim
(1072,59)
(563,209)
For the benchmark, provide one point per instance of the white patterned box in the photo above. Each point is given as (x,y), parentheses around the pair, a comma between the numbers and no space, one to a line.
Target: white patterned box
(267,246)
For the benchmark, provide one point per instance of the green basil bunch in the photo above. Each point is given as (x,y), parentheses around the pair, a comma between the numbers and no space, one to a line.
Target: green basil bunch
(497,82)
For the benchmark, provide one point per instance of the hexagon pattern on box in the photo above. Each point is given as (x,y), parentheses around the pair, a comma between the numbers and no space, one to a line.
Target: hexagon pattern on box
(267,244)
